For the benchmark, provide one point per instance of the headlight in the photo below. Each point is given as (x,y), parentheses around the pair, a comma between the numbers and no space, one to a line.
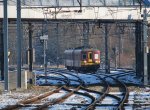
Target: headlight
(97,61)
(84,61)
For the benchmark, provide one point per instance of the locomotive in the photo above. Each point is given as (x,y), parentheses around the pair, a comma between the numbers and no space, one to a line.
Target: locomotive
(82,60)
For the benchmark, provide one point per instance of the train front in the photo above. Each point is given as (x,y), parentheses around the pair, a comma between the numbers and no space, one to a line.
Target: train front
(90,60)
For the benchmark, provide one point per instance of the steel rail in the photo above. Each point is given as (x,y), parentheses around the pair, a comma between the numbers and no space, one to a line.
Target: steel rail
(103,95)
(125,91)
(34,99)
(92,105)
(61,99)
(121,102)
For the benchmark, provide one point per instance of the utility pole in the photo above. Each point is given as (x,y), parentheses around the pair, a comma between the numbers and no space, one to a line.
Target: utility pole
(119,48)
(86,34)
(45,63)
(5,31)
(145,29)
(1,52)
(30,52)
(57,44)
(45,38)
(107,65)
(30,48)
(19,39)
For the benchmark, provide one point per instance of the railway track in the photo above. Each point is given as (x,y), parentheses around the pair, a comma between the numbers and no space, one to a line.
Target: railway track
(81,87)
(28,102)
(121,101)
(123,89)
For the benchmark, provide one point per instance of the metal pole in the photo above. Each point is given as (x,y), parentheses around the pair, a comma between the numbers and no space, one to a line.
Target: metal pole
(45,44)
(1,52)
(115,60)
(57,46)
(5,24)
(30,48)
(80,5)
(115,53)
(45,66)
(30,53)
(86,34)
(19,37)
(119,48)
(145,46)
(106,50)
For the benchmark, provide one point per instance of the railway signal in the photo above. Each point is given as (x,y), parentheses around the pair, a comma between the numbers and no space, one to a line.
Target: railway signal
(44,37)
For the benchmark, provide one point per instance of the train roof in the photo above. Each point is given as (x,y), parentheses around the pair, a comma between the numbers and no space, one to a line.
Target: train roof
(87,49)
(83,48)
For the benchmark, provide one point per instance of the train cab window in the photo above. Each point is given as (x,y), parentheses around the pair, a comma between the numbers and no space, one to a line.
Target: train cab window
(96,56)
(83,56)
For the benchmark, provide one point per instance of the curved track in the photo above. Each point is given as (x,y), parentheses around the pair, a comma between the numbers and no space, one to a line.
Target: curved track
(80,88)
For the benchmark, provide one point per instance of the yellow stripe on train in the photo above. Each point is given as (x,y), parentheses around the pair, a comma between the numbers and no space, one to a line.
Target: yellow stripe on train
(89,63)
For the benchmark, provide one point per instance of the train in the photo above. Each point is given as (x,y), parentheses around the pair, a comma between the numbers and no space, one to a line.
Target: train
(82,59)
